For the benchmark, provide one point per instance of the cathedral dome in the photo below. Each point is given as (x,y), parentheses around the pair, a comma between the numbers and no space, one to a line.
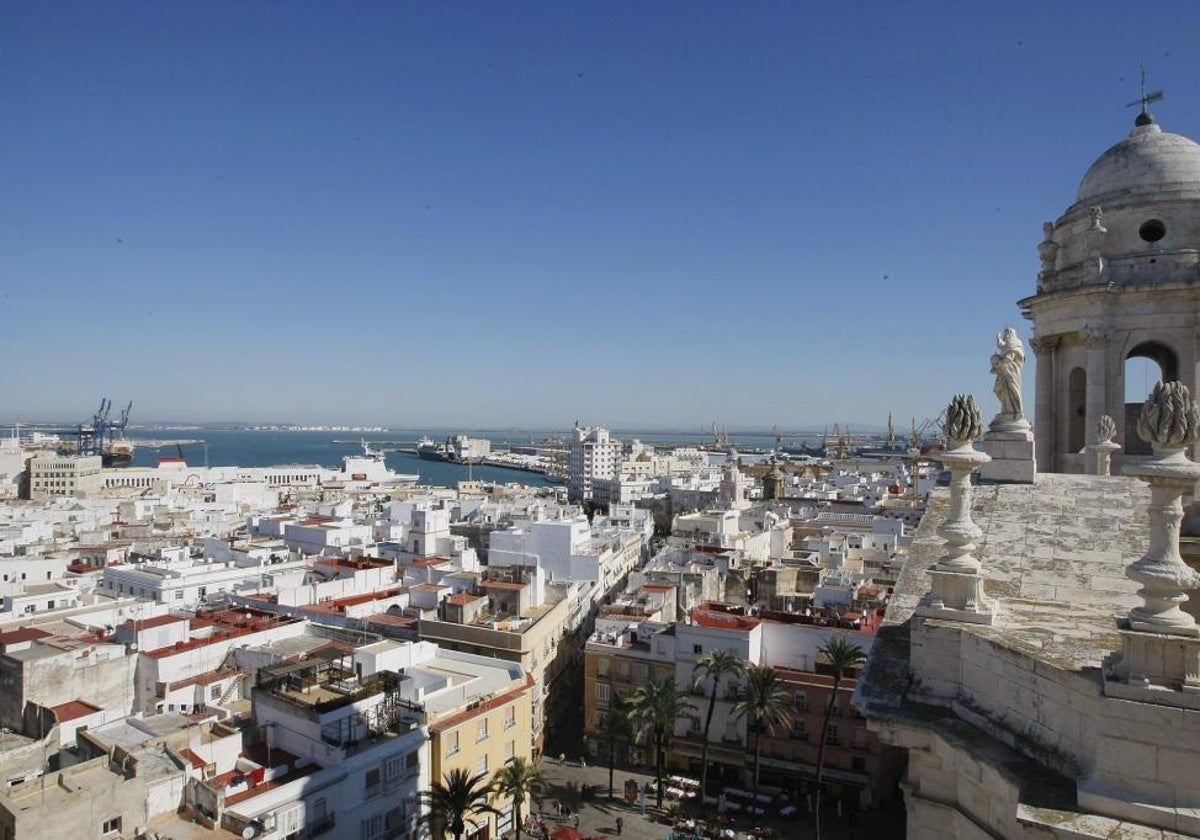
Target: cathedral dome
(1150,162)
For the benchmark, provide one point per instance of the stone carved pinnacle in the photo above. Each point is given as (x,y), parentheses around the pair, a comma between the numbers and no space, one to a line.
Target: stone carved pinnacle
(1170,424)
(1103,448)
(963,422)
(1169,419)
(956,583)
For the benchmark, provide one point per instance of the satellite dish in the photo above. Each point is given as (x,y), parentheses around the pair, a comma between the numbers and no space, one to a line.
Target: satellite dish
(248,832)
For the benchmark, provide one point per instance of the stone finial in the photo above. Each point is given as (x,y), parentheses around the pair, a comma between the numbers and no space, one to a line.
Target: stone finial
(956,582)
(963,422)
(1169,423)
(1169,420)
(1103,449)
(1097,223)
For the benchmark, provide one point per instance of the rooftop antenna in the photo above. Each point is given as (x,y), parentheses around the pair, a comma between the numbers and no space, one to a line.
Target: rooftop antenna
(1145,117)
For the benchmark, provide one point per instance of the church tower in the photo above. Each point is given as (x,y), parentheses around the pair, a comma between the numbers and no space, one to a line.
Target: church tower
(1120,280)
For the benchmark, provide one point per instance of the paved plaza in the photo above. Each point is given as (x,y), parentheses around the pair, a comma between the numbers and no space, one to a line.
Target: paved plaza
(597,815)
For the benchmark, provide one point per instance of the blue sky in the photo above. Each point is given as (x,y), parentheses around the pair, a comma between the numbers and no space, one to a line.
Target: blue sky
(465,214)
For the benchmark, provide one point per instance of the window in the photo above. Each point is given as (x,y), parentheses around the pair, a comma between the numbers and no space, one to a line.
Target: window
(373,827)
(452,743)
(371,785)
(482,766)
(481,731)
(510,750)
(392,772)
(697,649)
(602,695)
(510,717)
(178,595)
(800,731)
(801,701)
(214,693)
(601,664)
(111,826)
(859,738)
(831,735)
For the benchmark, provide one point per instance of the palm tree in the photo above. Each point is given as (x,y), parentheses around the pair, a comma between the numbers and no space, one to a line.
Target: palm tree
(767,705)
(452,804)
(517,779)
(614,728)
(715,665)
(841,656)
(656,706)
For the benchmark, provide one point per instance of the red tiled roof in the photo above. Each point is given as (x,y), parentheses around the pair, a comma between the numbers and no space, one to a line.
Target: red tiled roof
(197,762)
(715,618)
(73,709)
(21,634)
(502,584)
(486,706)
(390,620)
(150,623)
(207,678)
(426,562)
(463,598)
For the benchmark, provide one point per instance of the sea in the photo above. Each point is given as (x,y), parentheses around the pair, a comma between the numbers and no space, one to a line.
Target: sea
(271,447)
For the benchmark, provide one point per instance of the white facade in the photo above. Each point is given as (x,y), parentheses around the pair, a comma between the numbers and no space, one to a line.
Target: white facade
(52,475)
(593,455)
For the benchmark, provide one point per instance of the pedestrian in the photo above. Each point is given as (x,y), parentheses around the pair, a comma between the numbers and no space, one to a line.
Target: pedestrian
(620,825)
(576,820)
(562,758)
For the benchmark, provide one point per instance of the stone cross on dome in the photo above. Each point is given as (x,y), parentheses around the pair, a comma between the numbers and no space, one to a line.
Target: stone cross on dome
(1145,117)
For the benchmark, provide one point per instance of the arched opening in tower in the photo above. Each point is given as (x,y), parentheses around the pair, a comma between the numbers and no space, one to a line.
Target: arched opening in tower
(1146,365)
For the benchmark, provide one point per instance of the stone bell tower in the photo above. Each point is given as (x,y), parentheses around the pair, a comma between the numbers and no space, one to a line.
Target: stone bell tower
(1120,280)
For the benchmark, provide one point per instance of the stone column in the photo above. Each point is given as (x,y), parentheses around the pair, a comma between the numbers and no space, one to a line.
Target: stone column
(1045,411)
(956,582)
(1161,642)
(1095,339)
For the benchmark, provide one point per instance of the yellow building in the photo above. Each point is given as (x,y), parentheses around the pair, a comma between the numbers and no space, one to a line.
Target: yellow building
(532,632)
(615,664)
(480,715)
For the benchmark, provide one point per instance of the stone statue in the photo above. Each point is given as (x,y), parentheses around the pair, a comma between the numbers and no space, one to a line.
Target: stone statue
(1007,362)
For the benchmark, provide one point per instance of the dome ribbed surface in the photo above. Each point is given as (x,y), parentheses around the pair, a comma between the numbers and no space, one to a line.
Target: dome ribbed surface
(1149,161)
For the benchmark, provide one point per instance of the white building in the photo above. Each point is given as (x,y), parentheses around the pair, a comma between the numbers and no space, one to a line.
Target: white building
(593,455)
(52,475)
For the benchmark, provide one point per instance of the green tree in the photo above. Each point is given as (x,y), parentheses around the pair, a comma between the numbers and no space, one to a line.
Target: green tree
(841,656)
(451,804)
(655,707)
(518,779)
(614,728)
(766,706)
(715,665)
